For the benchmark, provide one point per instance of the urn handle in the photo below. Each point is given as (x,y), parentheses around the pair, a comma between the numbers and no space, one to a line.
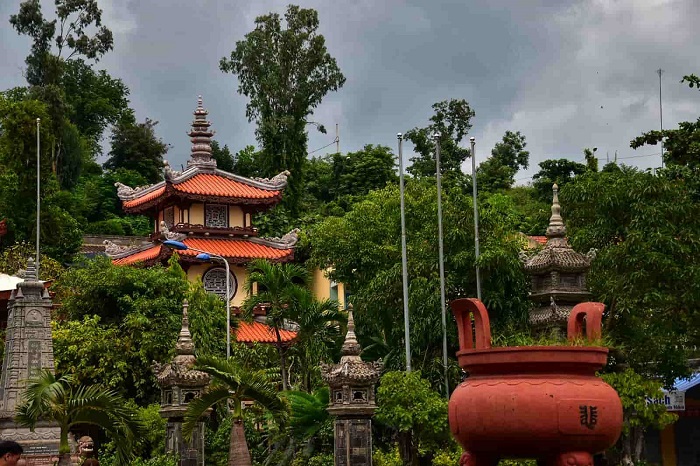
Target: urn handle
(478,336)
(586,315)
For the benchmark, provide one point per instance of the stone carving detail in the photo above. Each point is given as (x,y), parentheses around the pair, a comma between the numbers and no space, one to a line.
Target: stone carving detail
(214,281)
(112,249)
(176,378)
(558,275)
(124,190)
(279,180)
(287,241)
(28,350)
(170,235)
(353,403)
(169,172)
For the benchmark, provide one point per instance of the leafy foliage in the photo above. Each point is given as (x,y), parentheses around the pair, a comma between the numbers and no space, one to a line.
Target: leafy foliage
(507,157)
(285,72)
(407,404)
(135,147)
(61,401)
(452,121)
(560,171)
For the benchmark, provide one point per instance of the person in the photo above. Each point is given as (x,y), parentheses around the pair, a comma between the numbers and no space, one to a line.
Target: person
(9,452)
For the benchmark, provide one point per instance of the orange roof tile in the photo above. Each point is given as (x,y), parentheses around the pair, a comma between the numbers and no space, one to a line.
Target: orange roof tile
(235,248)
(251,332)
(538,239)
(214,185)
(141,256)
(145,198)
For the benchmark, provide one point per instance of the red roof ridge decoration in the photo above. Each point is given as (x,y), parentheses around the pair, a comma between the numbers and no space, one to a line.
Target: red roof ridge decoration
(257,332)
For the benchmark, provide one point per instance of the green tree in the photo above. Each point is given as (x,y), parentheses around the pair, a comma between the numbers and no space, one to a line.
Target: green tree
(639,415)
(248,162)
(648,237)
(408,405)
(285,72)
(77,28)
(233,384)
(318,336)
(560,171)
(280,288)
(223,156)
(364,250)
(357,173)
(507,157)
(452,121)
(591,160)
(309,417)
(61,401)
(95,100)
(120,320)
(136,147)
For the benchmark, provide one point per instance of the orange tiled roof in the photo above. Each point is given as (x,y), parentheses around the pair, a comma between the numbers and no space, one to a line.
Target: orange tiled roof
(234,248)
(209,184)
(251,332)
(141,256)
(240,249)
(145,198)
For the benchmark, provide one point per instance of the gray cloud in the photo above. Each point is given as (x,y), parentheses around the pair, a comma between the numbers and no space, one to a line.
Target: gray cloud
(568,74)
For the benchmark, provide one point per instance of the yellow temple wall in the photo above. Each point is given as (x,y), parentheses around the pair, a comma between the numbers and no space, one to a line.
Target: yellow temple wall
(197,214)
(196,271)
(321,287)
(235,216)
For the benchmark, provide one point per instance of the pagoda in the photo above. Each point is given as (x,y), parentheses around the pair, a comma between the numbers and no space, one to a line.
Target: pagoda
(557,275)
(352,401)
(180,383)
(206,209)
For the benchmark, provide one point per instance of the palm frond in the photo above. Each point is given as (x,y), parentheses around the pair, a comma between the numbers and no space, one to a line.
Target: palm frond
(197,407)
(308,411)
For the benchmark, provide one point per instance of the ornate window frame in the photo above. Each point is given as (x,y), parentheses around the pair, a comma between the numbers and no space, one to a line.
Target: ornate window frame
(217,285)
(224,207)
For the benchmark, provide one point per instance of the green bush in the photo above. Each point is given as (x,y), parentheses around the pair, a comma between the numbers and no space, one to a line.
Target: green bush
(390,458)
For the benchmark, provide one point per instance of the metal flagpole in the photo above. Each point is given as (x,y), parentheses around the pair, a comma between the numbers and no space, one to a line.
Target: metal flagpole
(476,219)
(441,258)
(661,116)
(404,261)
(38,192)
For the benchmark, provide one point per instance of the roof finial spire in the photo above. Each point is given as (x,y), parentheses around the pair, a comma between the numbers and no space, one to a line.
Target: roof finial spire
(201,135)
(351,348)
(556,228)
(185,345)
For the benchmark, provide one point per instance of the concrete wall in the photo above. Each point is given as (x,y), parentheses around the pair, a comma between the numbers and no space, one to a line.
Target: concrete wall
(235,216)
(321,287)
(197,214)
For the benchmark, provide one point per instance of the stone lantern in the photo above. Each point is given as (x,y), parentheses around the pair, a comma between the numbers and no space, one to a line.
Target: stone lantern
(558,276)
(352,401)
(180,384)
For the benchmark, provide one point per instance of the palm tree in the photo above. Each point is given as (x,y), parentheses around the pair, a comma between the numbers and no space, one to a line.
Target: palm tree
(61,401)
(318,334)
(308,416)
(280,288)
(234,384)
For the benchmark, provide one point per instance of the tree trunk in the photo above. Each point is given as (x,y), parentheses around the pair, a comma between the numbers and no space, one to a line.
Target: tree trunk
(64,460)
(238,453)
(283,362)
(407,452)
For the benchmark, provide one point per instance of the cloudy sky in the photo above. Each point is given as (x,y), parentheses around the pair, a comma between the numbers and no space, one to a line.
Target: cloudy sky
(567,74)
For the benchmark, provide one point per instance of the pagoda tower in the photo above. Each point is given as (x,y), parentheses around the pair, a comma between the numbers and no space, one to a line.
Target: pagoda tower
(352,401)
(28,351)
(211,210)
(557,274)
(180,384)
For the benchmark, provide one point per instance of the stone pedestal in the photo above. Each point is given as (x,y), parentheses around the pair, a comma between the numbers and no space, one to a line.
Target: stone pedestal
(28,351)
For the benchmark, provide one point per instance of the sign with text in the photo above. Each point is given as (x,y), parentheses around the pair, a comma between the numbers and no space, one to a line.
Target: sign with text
(674,401)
